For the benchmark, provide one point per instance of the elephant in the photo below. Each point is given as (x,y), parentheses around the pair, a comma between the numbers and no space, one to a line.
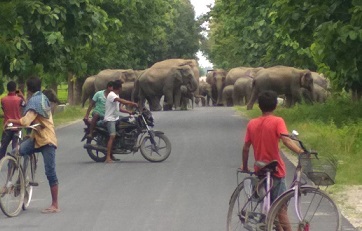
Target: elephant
(319,94)
(53,99)
(286,81)
(180,62)
(242,90)
(88,89)
(216,78)
(320,80)
(205,91)
(165,81)
(227,95)
(186,96)
(239,72)
(104,76)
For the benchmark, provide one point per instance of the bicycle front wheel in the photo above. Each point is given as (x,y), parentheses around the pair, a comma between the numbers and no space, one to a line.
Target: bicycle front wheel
(317,210)
(245,208)
(29,167)
(12,186)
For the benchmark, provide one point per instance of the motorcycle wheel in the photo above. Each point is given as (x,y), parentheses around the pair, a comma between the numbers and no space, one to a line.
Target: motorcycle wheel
(95,155)
(158,153)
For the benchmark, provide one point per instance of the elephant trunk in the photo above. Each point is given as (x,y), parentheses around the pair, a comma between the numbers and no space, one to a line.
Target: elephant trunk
(219,87)
(192,85)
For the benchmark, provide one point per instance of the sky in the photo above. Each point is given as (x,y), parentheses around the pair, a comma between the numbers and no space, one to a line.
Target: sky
(200,7)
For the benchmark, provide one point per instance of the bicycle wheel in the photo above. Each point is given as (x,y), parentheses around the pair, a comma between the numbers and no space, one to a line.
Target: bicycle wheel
(12,186)
(317,209)
(29,167)
(245,208)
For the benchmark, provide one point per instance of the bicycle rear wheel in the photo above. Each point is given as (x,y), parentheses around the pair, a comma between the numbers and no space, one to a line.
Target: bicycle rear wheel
(245,208)
(29,167)
(12,186)
(317,209)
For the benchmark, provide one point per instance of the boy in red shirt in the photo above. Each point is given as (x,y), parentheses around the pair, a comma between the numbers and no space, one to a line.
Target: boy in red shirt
(264,133)
(11,105)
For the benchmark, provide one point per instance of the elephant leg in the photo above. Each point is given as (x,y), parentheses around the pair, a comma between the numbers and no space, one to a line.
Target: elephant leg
(177,99)
(154,103)
(253,98)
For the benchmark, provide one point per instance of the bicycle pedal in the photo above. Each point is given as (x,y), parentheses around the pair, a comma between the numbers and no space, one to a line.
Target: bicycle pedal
(31,183)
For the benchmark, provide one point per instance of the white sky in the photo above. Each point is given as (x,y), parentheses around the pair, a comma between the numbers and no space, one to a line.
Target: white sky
(200,7)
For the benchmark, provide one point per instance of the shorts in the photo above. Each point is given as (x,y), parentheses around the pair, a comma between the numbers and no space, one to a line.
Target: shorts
(111,127)
(278,188)
(101,116)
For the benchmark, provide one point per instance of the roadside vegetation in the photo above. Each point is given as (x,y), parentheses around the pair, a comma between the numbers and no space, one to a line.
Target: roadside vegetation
(333,128)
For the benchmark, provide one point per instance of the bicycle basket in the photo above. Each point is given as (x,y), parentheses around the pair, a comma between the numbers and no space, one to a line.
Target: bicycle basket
(321,171)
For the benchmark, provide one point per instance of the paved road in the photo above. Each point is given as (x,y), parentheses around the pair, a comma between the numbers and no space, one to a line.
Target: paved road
(187,192)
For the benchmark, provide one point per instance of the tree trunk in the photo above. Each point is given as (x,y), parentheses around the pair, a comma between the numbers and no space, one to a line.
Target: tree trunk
(70,88)
(78,91)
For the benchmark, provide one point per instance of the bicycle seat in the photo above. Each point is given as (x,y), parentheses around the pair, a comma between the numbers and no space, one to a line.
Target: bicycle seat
(266,167)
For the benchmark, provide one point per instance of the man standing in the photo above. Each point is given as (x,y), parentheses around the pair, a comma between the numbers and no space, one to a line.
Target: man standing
(43,140)
(98,102)
(12,106)
(112,115)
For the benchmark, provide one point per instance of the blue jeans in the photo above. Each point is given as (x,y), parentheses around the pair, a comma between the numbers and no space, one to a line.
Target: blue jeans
(48,151)
(278,188)
(6,138)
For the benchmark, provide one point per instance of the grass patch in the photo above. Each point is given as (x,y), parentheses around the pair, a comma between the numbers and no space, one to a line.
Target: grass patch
(333,128)
(70,113)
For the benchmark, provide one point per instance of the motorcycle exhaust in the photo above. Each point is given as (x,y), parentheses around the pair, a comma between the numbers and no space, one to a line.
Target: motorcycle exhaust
(95,147)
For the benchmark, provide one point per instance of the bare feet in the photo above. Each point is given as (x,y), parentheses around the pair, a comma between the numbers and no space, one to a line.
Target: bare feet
(109,161)
(51,209)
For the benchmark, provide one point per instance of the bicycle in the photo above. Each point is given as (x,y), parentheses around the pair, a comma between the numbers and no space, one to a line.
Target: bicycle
(17,177)
(302,207)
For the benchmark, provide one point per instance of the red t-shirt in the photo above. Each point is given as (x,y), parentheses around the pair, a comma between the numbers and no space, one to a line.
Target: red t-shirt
(264,134)
(12,106)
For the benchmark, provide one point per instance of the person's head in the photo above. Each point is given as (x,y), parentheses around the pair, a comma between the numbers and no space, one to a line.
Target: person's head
(110,85)
(268,101)
(117,85)
(33,84)
(11,86)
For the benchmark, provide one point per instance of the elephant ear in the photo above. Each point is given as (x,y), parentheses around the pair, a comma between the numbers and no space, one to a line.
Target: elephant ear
(306,79)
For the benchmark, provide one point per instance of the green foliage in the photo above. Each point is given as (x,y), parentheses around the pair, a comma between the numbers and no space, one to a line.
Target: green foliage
(81,37)
(333,129)
(323,36)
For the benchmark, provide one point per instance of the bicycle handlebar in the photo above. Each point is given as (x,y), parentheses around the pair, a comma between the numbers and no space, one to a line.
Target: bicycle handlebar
(11,127)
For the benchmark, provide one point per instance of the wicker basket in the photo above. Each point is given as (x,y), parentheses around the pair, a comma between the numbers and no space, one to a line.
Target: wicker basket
(321,171)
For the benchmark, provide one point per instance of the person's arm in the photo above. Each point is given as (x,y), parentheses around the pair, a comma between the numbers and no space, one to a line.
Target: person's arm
(246,148)
(121,109)
(24,121)
(91,105)
(126,102)
(21,95)
(289,143)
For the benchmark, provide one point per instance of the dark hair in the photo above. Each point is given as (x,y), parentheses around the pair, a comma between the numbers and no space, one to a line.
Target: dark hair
(11,86)
(268,101)
(117,84)
(33,84)
(110,84)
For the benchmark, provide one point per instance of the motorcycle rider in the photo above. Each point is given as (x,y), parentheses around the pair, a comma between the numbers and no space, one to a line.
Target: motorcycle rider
(98,103)
(112,115)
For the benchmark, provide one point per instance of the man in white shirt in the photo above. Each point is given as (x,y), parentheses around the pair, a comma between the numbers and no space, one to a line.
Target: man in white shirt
(112,115)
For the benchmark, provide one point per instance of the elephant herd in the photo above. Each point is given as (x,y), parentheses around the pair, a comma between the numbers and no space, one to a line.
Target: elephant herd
(242,85)
(174,80)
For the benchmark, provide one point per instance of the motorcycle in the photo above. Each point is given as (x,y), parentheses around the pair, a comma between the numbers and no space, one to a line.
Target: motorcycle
(133,134)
